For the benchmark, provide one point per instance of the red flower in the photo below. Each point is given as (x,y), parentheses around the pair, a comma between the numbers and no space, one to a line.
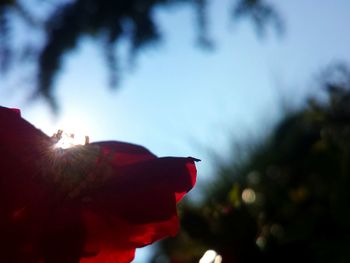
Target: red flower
(90,204)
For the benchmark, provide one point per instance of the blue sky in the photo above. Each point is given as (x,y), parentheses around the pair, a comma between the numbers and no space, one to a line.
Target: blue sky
(179,99)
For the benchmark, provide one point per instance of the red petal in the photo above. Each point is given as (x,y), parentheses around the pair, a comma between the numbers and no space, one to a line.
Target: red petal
(131,203)
(23,196)
(21,149)
(18,111)
(146,191)
(121,153)
(137,205)
(114,256)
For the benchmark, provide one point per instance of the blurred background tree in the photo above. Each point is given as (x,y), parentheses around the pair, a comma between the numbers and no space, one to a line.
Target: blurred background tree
(63,23)
(286,199)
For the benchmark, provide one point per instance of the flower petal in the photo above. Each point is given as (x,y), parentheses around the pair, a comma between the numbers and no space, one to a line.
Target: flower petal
(114,256)
(121,153)
(96,202)
(137,205)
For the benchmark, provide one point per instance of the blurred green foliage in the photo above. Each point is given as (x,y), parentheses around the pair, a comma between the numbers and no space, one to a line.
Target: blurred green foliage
(287,201)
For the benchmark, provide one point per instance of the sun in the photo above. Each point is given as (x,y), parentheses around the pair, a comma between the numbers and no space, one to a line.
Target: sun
(67,140)
(68,133)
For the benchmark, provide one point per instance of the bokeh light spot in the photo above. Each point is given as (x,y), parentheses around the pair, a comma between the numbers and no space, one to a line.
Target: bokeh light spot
(248,196)
(211,256)
(261,242)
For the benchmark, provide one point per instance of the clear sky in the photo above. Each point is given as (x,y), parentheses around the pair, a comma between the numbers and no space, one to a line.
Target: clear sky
(178,99)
